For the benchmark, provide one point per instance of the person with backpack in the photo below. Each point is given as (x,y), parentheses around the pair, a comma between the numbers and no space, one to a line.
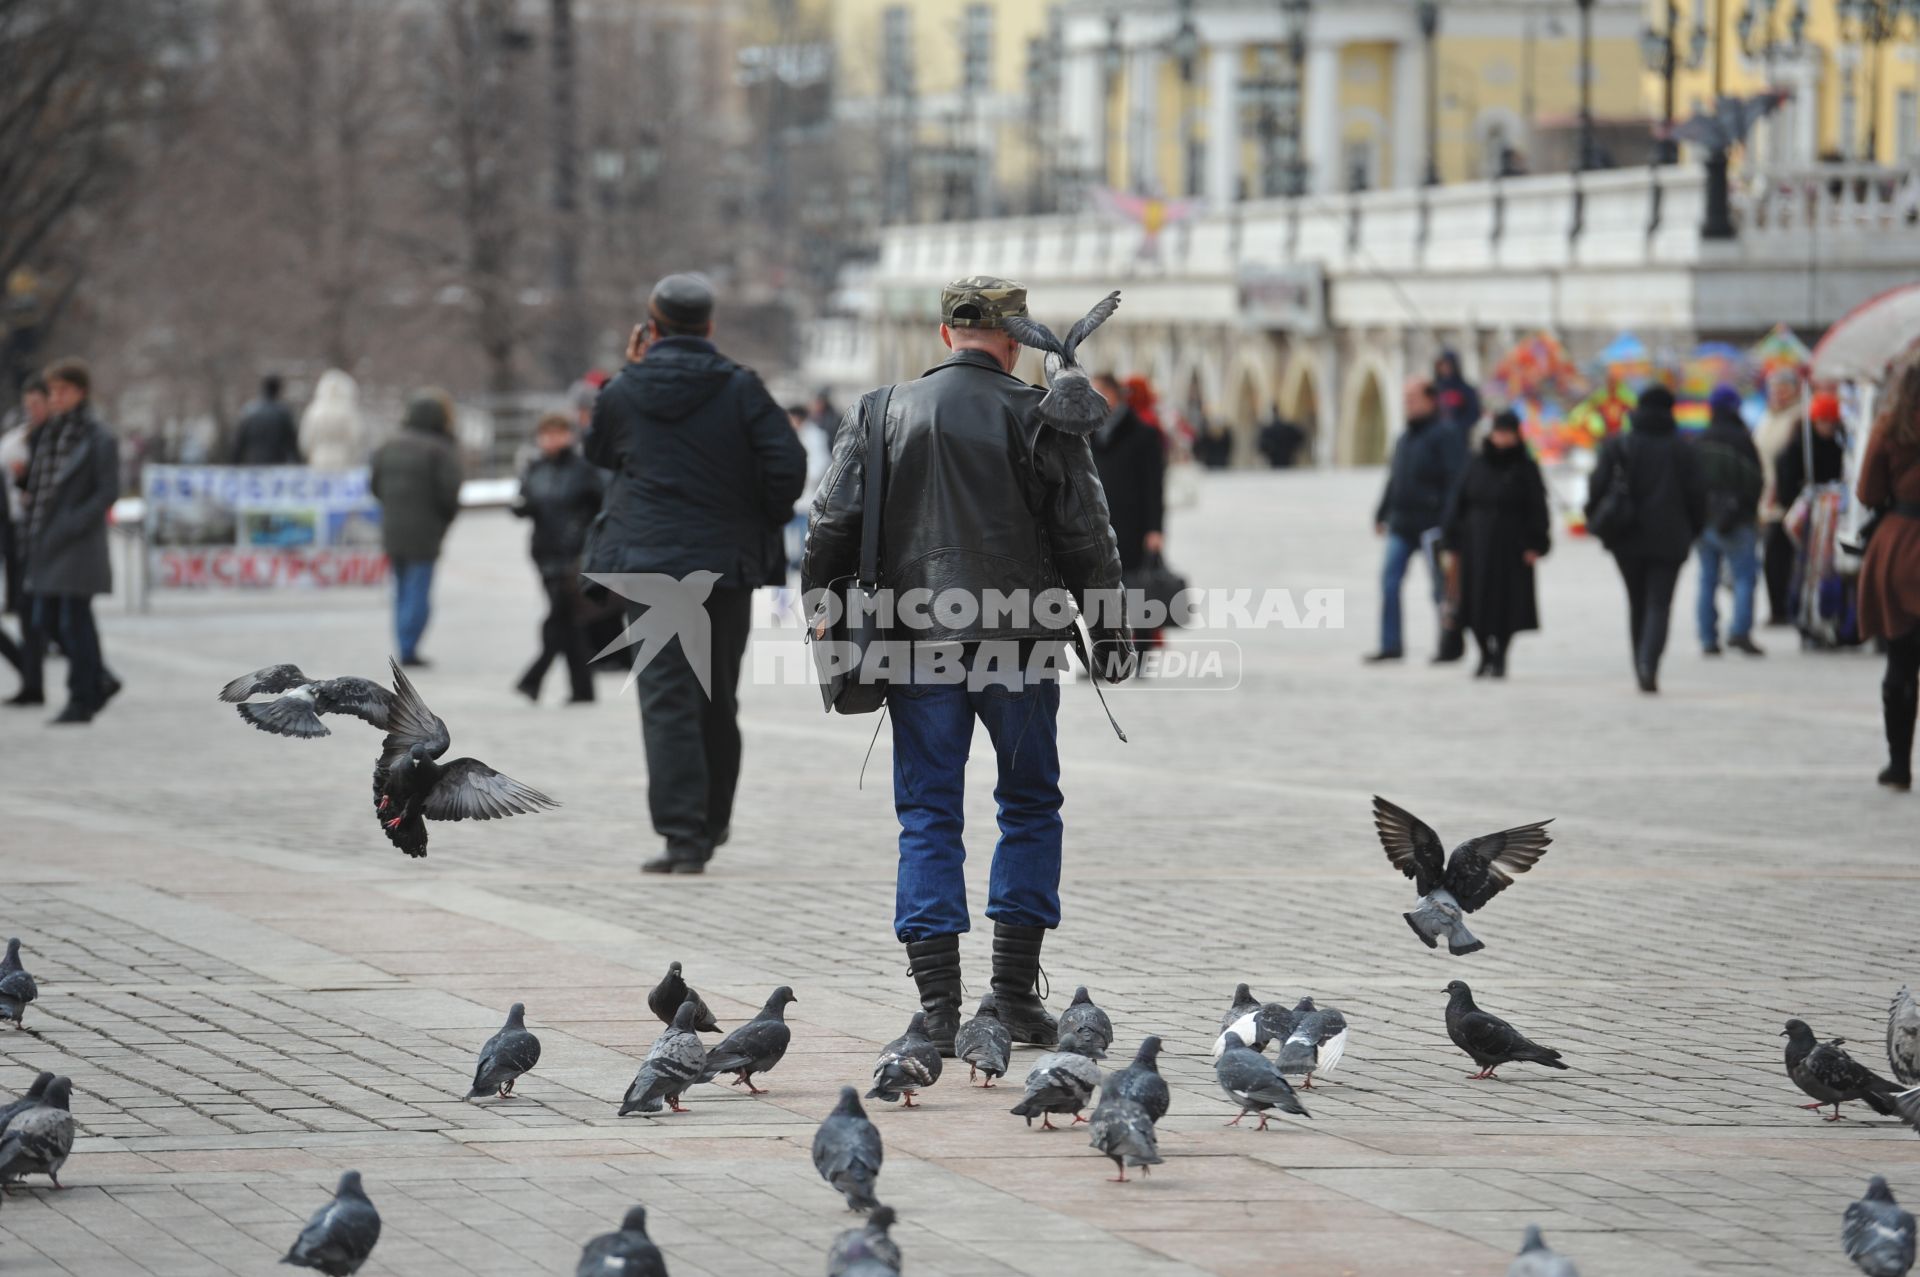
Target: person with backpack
(1733,478)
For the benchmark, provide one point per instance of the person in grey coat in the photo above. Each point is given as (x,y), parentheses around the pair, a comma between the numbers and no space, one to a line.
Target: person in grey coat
(72,479)
(416,479)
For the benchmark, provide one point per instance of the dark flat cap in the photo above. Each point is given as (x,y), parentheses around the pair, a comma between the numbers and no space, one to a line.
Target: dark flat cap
(684,301)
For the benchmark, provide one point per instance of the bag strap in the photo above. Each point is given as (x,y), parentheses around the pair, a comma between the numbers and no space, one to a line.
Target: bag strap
(876,478)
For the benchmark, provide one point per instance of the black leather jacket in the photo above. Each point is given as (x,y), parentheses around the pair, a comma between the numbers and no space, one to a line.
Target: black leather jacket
(979,496)
(561,494)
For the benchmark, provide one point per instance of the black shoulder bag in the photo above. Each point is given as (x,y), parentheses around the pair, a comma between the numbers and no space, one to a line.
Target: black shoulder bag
(1613,517)
(840,654)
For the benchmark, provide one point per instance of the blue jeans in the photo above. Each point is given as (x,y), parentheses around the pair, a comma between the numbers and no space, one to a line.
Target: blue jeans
(412,603)
(1400,551)
(932,733)
(1740,550)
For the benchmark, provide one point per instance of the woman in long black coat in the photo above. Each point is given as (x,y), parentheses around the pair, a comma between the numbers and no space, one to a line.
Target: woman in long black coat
(1497,526)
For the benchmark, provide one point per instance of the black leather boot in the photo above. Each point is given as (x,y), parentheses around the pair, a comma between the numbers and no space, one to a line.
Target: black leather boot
(1016,973)
(1897,703)
(935,967)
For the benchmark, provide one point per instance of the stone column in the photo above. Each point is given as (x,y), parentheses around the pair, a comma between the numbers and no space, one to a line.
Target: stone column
(1222,184)
(1409,113)
(1082,106)
(1143,124)
(1322,122)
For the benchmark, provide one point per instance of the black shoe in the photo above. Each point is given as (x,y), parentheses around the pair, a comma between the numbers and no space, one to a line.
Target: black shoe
(1745,643)
(935,967)
(1499,669)
(1711,649)
(1016,973)
(1900,780)
(671,864)
(1375,658)
(1453,647)
(1648,679)
(26,696)
(416,662)
(110,687)
(75,712)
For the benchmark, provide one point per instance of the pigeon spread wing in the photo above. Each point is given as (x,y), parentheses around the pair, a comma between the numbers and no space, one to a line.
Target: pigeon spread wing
(410,722)
(363,698)
(1031,332)
(470,790)
(1412,847)
(274,678)
(1481,868)
(1084,326)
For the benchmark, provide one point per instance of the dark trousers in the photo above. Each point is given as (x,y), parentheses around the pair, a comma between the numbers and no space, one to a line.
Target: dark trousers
(692,738)
(68,620)
(1900,698)
(33,646)
(562,637)
(1650,585)
(1777,567)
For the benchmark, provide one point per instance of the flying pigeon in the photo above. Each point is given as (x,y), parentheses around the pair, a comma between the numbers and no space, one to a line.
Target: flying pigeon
(25,1102)
(1060,1081)
(847,1153)
(674,1064)
(870,1242)
(626,1253)
(1479,869)
(1086,1023)
(16,986)
(907,1065)
(1903,1037)
(1254,1083)
(984,1043)
(1123,1130)
(508,1054)
(1877,1234)
(411,788)
(1256,1022)
(341,1234)
(1318,1040)
(754,1047)
(1537,1260)
(672,990)
(1490,1040)
(1072,404)
(1732,119)
(298,701)
(1829,1075)
(1140,1081)
(38,1140)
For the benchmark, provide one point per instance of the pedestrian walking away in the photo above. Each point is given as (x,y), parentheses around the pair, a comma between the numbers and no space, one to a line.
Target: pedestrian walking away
(1890,569)
(266,435)
(705,472)
(1732,478)
(1498,527)
(560,493)
(1131,458)
(979,495)
(416,478)
(1427,461)
(1779,425)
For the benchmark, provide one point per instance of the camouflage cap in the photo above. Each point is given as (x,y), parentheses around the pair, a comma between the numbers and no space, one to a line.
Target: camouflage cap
(981,301)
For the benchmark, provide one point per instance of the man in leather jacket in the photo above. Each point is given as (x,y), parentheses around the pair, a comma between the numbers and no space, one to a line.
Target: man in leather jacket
(981,500)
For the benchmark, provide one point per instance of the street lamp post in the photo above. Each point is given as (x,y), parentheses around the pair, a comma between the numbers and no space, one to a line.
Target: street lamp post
(1113,58)
(1186,52)
(1428,13)
(1586,87)
(1661,50)
(1296,13)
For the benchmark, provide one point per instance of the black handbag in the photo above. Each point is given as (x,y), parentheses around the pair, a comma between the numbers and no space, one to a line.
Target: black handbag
(1613,517)
(840,653)
(1155,583)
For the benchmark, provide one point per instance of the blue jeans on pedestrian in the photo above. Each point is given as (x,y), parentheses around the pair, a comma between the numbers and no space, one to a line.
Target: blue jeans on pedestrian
(1400,551)
(412,603)
(1740,549)
(932,734)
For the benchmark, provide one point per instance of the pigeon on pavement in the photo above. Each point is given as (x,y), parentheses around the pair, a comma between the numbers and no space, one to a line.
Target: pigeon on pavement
(868,1242)
(1318,1040)
(508,1054)
(38,1141)
(17,988)
(1479,869)
(1059,1082)
(907,1065)
(672,990)
(1536,1260)
(1086,1023)
(754,1047)
(1257,1023)
(1877,1234)
(869,1268)
(1903,1037)
(847,1153)
(1072,404)
(674,1064)
(410,787)
(341,1234)
(1140,1081)
(1829,1075)
(628,1252)
(1254,1082)
(25,1102)
(1123,1130)
(984,1043)
(298,701)
(1490,1040)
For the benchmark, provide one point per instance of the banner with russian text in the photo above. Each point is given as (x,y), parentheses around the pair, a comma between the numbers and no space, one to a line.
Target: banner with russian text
(260,527)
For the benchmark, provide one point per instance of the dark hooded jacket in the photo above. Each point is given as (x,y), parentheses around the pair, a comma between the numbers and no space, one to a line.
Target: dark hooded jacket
(1730,471)
(1454,398)
(705,467)
(416,478)
(1661,473)
(1427,461)
(561,494)
(266,436)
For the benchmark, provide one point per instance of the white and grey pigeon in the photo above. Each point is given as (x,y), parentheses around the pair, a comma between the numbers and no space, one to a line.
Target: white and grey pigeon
(1140,1081)
(867,1242)
(1259,1023)
(907,1065)
(1877,1233)
(1452,887)
(1071,404)
(1903,1038)
(17,988)
(674,1064)
(1060,1082)
(1536,1259)
(25,1102)
(507,1055)
(672,990)
(295,702)
(1254,1082)
(1318,1040)
(1123,1130)
(984,1043)
(847,1152)
(341,1234)
(754,1047)
(627,1252)
(38,1141)
(1086,1024)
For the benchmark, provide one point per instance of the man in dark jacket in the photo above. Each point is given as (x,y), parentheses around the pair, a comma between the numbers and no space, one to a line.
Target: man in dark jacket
(1668,507)
(560,492)
(73,477)
(1454,398)
(1427,460)
(1132,460)
(1732,477)
(416,479)
(1819,440)
(982,502)
(705,474)
(267,434)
